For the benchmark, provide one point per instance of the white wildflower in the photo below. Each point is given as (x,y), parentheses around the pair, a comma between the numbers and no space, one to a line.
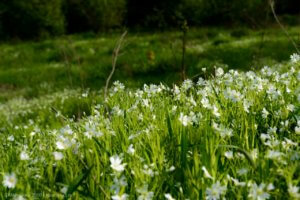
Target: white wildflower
(297,129)
(187,84)
(130,149)
(169,196)
(273,92)
(295,58)
(265,113)
(290,107)
(58,155)
(66,130)
(270,187)
(258,192)
(246,105)
(215,191)
(242,171)
(273,154)
(118,184)
(265,137)
(148,170)
(236,182)
(205,103)
(85,94)
(118,86)
(116,163)
(228,154)
(119,197)
(254,154)
(219,72)
(24,155)
(294,191)
(32,133)
(64,190)
(287,143)
(174,108)
(91,131)
(266,71)
(201,82)
(10,180)
(272,130)
(11,138)
(144,194)
(185,120)
(172,168)
(222,130)
(145,102)
(19,197)
(216,111)
(225,132)
(206,173)
(63,143)
(232,95)
(117,111)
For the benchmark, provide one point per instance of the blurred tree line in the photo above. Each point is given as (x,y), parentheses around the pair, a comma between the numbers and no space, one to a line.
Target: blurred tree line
(38,18)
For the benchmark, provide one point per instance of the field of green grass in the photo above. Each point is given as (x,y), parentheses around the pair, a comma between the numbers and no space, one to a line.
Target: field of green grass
(31,69)
(232,130)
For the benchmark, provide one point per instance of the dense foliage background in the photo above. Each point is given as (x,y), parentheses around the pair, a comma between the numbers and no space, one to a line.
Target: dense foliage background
(35,18)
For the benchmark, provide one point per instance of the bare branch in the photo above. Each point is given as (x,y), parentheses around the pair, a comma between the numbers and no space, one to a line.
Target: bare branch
(184,38)
(114,62)
(271,2)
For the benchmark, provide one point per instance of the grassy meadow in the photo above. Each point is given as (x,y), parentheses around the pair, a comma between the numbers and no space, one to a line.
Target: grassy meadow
(231,130)
(84,61)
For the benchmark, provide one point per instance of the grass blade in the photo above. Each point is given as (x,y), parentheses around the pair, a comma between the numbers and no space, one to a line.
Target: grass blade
(170,130)
(77,182)
(245,153)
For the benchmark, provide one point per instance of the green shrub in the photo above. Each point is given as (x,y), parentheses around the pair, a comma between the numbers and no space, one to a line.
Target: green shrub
(153,14)
(224,12)
(31,18)
(95,15)
(161,14)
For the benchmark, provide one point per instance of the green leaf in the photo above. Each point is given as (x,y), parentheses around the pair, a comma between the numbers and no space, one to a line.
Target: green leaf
(184,149)
(246,154)
(100,146)
(170,130)
(77,182)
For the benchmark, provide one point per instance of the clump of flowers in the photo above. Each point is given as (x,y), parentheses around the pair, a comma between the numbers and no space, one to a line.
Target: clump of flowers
(211,140)
(259,191)
(216,191)
(295,58)
(144,193)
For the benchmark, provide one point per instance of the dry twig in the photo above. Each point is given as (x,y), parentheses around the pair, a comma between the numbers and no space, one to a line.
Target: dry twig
(114,62)
(271,2)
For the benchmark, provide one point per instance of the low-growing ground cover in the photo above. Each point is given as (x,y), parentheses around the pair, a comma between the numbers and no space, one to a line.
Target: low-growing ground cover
(232,135)
(35,68)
